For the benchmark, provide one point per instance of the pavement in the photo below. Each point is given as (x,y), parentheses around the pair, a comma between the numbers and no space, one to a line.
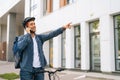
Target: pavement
(8,67)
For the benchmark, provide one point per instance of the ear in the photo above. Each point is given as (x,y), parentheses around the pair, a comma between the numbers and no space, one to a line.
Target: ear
(26,25)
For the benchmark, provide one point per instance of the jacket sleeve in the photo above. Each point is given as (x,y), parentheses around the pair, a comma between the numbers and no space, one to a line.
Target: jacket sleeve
(52,34)
(21,42)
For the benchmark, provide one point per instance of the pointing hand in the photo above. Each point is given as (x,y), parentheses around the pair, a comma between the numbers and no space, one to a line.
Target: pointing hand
(68,25)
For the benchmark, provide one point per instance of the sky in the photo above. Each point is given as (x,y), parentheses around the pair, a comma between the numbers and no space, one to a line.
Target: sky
(5,5)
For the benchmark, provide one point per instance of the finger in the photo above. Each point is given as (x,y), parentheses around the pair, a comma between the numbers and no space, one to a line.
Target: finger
(70,23)
(69,26)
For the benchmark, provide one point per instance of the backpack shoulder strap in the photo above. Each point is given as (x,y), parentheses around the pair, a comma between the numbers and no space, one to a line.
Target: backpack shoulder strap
(15,49)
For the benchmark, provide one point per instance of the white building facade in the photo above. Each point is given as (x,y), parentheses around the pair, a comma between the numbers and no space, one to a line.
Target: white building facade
(92,44)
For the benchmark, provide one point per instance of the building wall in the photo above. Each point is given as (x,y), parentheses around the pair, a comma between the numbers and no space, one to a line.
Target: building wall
(3,34)
(82,12)
(9,27)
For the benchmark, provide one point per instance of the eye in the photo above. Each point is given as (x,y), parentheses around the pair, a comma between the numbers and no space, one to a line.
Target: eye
(31,24)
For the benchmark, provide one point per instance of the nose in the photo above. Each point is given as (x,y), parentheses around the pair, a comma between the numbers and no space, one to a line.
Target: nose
(34,25)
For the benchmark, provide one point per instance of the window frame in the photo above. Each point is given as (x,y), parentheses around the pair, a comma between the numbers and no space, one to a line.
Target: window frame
(75,37)
(63,38)
(115,45)
(91,32)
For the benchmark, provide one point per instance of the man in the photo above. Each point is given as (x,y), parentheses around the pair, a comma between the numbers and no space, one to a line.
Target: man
(31,47)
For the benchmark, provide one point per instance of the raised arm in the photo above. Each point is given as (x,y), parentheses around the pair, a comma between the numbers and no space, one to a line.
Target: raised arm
(54,33)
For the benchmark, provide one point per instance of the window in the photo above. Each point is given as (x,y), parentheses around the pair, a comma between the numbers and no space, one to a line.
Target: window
(65,2)
(44,7)
(117,40)
(71,1)
(47,6)
(62,3)
(33,8)
(77,47)
(63,55)
(51,52)
(95,45)
(68,1)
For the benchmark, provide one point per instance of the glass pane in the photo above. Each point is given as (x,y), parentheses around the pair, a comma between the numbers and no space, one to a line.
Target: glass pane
(77,47)
(117,21)
(44,7)
(51,52)
(118,64)
(77,30)
(72,1)
(94,26)
(63,35)
(78,52)
(63,55)
(117,40)
(95,52)
(68,1)
(95,45)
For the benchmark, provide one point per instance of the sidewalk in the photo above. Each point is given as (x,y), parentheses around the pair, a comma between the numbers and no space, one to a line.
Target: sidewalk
(105,76)
(8,67)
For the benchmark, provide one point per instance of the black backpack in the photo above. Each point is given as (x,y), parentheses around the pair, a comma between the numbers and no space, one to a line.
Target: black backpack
(17,54)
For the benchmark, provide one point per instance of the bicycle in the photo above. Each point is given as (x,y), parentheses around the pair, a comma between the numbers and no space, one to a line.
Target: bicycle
(52,73)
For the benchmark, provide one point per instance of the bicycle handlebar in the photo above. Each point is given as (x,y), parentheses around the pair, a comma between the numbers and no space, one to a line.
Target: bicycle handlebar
(60,69)
(57,70)
(51,72)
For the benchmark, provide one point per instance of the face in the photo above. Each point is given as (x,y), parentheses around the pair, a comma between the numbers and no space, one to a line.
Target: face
(31,25)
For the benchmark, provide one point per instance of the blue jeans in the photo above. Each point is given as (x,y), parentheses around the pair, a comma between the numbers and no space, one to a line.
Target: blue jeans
(34,75)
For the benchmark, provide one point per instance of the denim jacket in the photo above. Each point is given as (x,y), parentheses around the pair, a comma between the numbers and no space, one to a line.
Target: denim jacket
(25,45)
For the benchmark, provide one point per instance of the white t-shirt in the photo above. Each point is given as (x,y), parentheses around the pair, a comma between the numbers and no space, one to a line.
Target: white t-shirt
(36,62)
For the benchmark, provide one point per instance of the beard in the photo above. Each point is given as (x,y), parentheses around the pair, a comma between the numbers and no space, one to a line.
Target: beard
(31,31)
